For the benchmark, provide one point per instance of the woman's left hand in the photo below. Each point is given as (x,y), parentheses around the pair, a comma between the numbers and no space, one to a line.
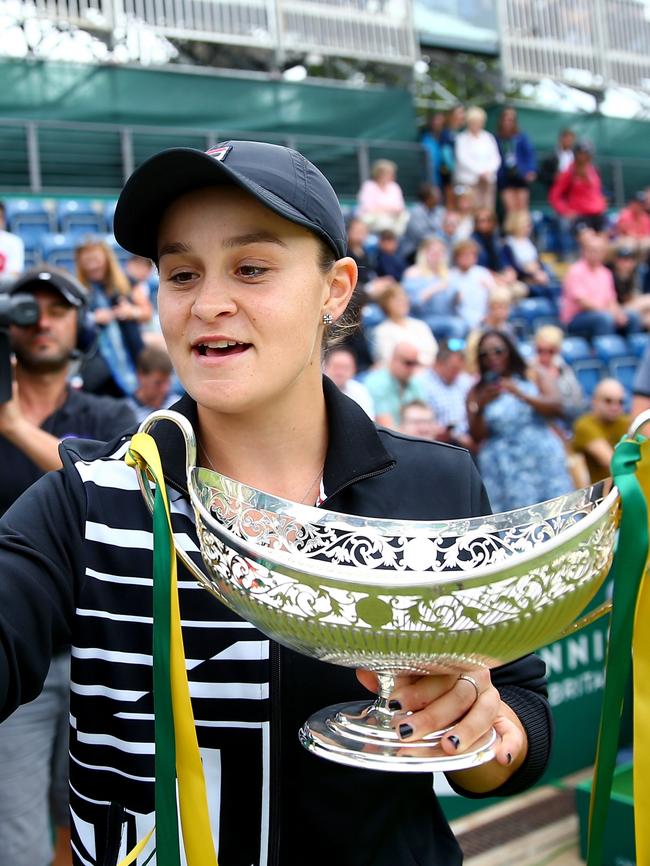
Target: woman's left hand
(441,701)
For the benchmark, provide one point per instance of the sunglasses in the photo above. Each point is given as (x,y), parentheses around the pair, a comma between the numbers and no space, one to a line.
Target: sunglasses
(408,363)
(611,401)
(487,353)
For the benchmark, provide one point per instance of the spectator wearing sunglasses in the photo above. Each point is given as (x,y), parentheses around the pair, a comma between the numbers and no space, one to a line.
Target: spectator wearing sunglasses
(521,459)
(400,327)
(597,432)
(395,385)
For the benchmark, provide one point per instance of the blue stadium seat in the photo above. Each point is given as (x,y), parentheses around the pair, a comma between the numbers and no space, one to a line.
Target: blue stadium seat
(33,255)
(531,313)
(624,370)
(638,343)
(29,218)
(610,346)
(80,217)
(589,373)
(58,250)
(371,316)
(576,349)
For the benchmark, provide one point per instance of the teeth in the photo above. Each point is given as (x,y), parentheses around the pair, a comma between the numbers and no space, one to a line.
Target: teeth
(220,344)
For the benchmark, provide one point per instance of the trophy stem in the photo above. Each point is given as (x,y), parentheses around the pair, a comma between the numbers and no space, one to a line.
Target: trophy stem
(363,734)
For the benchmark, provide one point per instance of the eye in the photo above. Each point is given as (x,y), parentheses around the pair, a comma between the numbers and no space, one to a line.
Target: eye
(182,277)
(251,271)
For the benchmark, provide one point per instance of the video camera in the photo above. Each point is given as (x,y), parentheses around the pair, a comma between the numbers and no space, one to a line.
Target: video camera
(19,309)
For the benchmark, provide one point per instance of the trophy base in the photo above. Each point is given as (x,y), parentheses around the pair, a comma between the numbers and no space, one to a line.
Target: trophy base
(360,735)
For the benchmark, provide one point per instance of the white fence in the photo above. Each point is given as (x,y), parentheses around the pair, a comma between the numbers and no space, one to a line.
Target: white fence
(588,43)
(380,30)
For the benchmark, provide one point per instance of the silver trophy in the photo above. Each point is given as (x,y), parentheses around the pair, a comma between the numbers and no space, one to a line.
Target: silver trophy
(396,596)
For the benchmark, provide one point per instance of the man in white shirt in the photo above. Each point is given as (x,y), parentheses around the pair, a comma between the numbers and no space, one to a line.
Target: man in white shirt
(12,251)
(471,284)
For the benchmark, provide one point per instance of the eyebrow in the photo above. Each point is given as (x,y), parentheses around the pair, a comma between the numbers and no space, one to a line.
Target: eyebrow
(261,237)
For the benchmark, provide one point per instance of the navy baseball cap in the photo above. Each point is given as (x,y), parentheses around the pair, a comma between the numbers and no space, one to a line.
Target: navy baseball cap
(49,278)
(278,177)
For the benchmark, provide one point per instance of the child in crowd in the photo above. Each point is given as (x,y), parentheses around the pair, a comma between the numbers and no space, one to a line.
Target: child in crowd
(470,283)
(522,255)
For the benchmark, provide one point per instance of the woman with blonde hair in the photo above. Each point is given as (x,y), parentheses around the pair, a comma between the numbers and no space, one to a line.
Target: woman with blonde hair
(118,309)
(427,285)
(399,327)
(381,201)
(549,363)
(477,159)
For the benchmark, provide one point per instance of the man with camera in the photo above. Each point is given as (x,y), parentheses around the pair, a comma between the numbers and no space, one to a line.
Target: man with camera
(43,409)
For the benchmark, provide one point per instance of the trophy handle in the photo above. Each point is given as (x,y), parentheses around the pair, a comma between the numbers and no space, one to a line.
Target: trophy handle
(190,463)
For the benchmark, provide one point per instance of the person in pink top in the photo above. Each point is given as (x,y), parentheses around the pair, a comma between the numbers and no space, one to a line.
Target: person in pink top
(633,222)
(577,193)
(588,306)
(381,201)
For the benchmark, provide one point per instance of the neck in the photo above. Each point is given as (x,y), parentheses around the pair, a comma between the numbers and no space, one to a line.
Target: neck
(41,394)
(279,449)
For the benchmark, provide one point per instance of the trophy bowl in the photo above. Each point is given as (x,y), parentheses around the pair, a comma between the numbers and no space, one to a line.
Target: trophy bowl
(397,596)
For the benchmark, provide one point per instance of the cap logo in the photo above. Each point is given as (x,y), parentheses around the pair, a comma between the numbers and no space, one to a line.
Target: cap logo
(219,153)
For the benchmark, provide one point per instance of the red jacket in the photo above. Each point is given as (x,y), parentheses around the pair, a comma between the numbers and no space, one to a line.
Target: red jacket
(572,194)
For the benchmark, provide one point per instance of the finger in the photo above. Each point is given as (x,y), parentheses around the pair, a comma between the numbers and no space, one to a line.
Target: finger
(436,716)
(474,724)
(423,691)
(511,743)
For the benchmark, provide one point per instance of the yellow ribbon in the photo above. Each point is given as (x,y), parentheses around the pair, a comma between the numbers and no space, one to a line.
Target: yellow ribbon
(192,794)
(641,683)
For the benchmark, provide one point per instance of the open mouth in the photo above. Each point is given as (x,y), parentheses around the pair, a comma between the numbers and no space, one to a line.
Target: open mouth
(220,348)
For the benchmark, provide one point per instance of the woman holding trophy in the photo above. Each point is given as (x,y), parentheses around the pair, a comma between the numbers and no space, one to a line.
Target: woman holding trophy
(249,240)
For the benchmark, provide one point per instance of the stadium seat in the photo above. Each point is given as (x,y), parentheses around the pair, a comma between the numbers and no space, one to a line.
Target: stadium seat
(58,250)
(371,316)
(624,370)
(638,343)
(33,255)
(79,217)
(589,373)
(576,349)
(610,346)
(531,313)
(29,218)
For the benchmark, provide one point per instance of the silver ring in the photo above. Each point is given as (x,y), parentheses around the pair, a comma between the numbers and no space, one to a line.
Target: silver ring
(472,681)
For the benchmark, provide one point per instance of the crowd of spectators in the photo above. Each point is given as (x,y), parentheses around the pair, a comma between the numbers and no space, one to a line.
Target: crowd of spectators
(467,321)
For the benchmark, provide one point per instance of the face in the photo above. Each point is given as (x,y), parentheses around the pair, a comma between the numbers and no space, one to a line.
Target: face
(608,402)
(398,306)
(435,254)
(499,311)
(546,353)
(389,245)
(582,158)
(494,355)
(450,222)
(594,250)
(153,387)
(93,264)
(340,367)
(508,120)
(465,260)
(46,346)
(357,233)
(475,123)
(625,265)
(385,176)
(451,368)
(567,140)
(457,117)
(419,421)
(404,363)
(484,223)
(241,301)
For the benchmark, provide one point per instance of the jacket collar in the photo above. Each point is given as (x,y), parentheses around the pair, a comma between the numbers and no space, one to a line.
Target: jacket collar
(354,447)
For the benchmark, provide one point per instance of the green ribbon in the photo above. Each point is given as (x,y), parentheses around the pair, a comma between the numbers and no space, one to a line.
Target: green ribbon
(167,839)
(626,572)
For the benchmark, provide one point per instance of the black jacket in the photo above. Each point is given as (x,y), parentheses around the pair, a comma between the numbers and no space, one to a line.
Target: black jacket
(320,813)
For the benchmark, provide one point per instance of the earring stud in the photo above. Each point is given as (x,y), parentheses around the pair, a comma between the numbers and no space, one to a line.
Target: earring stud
(328,319)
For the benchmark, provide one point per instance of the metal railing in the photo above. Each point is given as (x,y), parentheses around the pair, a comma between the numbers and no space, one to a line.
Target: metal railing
(66,158)
(380,30)
(587,43)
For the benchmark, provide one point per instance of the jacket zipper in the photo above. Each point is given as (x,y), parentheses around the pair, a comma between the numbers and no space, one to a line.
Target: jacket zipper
(275,810)
(355,480)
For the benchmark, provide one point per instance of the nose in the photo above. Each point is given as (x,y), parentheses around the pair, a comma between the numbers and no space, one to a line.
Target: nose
(213,299)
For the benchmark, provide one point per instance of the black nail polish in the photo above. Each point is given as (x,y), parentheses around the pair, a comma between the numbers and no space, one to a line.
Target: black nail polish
(405,730)
(509,758)
(394,705)
(454,740)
